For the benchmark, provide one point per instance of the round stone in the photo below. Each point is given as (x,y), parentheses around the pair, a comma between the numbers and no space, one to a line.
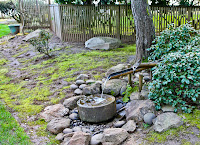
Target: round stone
(82,86)
(96,139)
(80,82)
(77,128)
(90,82)
(148,118)
(78,92)
(147,78)
(119,106)
(74,116)
(119,123)
(73,87)
(67,130)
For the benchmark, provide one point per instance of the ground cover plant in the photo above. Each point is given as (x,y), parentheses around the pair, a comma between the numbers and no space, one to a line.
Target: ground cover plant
(4,30)
(10,131)
(176,78)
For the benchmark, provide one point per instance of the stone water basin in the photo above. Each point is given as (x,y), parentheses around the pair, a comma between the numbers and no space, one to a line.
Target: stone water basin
(95,109)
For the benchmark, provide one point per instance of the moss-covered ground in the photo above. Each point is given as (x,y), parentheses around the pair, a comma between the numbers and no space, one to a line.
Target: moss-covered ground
(4,30)
(37,81)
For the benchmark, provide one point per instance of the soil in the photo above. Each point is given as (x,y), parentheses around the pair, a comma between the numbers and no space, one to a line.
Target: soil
(14,46)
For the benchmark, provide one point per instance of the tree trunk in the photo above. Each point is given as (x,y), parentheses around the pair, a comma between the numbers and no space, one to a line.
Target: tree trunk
(145,31)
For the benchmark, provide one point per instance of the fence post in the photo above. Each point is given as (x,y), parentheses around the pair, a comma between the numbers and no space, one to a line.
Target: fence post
(118,21)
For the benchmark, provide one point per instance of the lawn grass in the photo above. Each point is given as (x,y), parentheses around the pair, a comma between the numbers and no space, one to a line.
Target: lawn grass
(11,133)
(4,30)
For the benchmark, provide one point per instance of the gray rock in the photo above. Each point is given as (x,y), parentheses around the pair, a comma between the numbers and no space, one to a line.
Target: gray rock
(71,103)
(119,123)
(32,35)
(99,82)
(145,74)
(166,121)
(102,43)
(67,130)
(114,135)
(148,118)
(80,82)
(59,137)
(67,138)
(136,109)
(116,68)
(119,106)
(92,89)
(96,139)
(82,77)
(78,92)
(54,111)
(144,94)
(114,86)
(135,96)
(82,86)
(147,78)
(57,125)
(90,82)
(123,89)
(168,108)
(80,138)
(74,116)
(73,87)
(130,126)
(77,128)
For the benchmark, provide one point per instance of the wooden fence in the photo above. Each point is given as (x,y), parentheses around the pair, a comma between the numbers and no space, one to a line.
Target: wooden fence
(78,23)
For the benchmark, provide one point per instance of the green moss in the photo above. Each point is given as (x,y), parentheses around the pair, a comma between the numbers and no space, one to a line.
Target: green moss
(4,30)
(22,52)
(3,61)
(185,142)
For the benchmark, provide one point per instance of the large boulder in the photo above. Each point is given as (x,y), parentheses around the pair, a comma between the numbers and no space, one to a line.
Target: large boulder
(136,109)
(32,35)
(54,111)
(71,103)
(102,43)
(92,89)
(166,121)
(57,125)
(116,68)
(114,86)
(114,136)
(80,138)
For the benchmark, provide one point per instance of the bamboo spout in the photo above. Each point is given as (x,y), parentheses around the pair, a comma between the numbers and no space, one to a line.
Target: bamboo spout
(138,68)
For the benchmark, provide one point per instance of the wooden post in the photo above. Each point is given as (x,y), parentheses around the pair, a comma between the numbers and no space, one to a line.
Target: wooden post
(129,76)
(140,82)
(118,21)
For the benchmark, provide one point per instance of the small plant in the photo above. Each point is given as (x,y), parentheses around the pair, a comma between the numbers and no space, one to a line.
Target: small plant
(41,43)
(127,93)
(146,125)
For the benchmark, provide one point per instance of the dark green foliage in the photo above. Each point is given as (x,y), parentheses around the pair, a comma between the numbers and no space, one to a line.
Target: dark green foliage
(10,9)
(176,78)
(160,2)
(41,44)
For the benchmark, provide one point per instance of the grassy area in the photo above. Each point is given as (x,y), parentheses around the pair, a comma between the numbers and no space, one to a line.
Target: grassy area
(10,131)
(4,30)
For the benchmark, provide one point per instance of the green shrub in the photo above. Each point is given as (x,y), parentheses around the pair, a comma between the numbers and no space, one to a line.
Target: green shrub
(41,43)
(176,78)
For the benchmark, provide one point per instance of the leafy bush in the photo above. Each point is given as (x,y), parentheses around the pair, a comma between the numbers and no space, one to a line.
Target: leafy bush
(176,78)
(128,92)
(41,43)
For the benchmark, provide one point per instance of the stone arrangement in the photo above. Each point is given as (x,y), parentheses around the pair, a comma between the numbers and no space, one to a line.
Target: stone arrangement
(63,119)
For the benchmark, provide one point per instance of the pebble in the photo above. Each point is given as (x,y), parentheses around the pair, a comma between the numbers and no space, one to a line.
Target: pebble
(119,123)
(86,130)
(74,116)
(90,82)
(148,118)
(82,77)
(145,74)
(80,82)
(59,137)
(82,86)
(96,139)
(67,130)
(119,106)
(73,87)
(76,129)
(99,82)
(78,92)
